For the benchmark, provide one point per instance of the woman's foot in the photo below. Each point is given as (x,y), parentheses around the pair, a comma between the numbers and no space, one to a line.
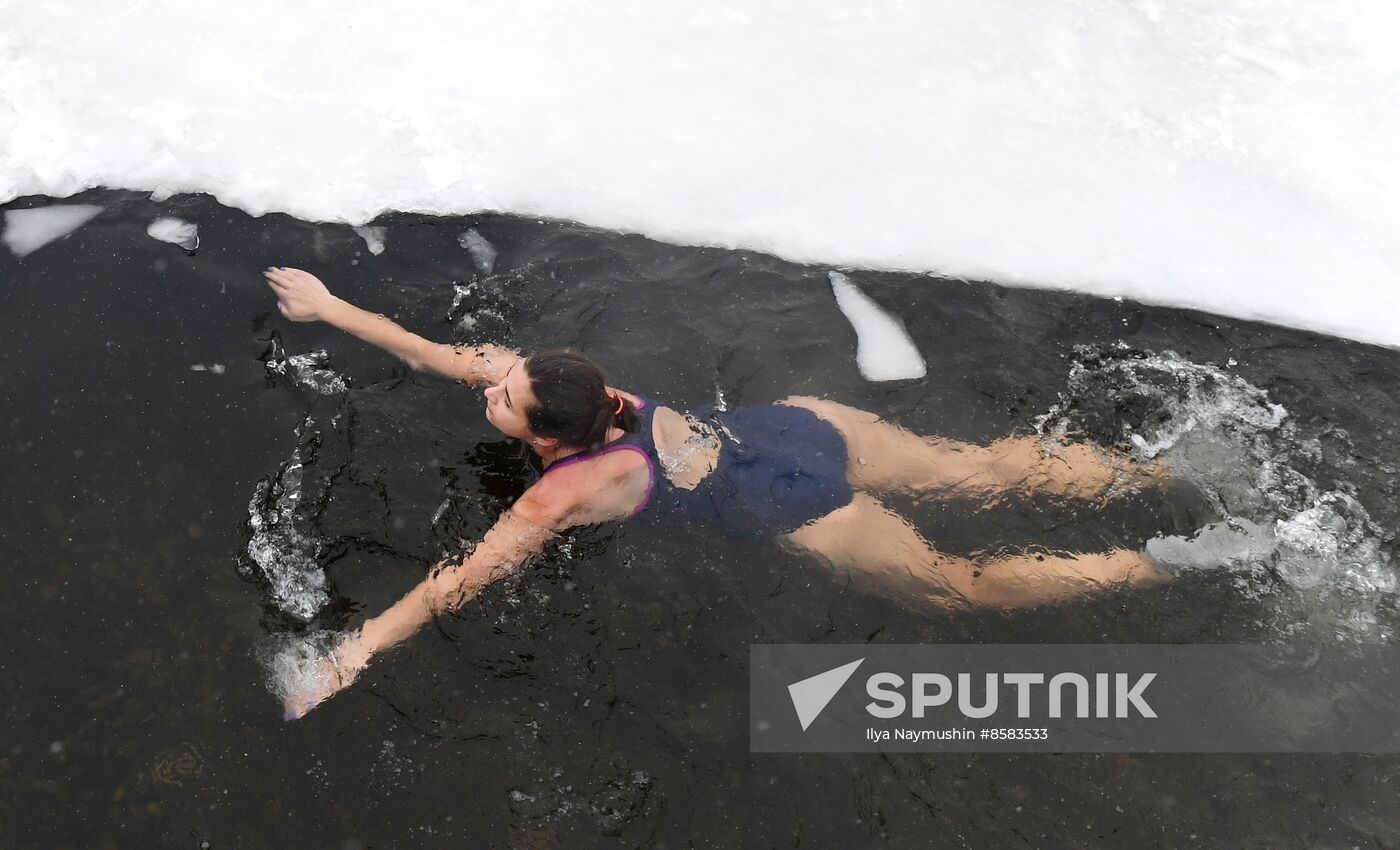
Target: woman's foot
(1219,545)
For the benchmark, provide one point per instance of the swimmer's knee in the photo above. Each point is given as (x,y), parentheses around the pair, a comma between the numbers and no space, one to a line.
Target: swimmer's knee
(807,401)
(848,420)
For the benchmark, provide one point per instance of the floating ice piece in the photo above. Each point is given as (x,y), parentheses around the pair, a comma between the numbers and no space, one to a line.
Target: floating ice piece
(26,231)
(212,368)
(374,238)
(884,351)
(175,231)
(483,252)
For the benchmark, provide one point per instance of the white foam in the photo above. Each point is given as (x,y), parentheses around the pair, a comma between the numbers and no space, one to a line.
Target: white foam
(283,547)
(884,351)
(175,231)
(1231,155)
(1334,539)
(311,370)
(1246,455)
(294,664)
(26,231)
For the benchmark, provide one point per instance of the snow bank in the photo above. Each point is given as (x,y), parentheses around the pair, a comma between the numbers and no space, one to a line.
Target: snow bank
(1231,155)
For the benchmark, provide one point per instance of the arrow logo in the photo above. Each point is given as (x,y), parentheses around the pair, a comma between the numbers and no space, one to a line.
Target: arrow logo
(811,695)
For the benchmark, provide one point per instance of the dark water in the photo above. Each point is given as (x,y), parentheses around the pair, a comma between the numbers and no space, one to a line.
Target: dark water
(601,699)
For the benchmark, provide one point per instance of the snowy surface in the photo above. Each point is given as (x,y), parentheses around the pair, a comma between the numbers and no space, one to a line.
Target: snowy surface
(1233,155)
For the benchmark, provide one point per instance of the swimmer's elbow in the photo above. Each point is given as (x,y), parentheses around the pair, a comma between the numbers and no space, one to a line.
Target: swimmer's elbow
(548,515)
(420,357)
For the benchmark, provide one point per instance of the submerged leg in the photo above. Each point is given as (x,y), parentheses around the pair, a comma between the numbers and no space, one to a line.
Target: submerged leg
(885,457)
(876,546)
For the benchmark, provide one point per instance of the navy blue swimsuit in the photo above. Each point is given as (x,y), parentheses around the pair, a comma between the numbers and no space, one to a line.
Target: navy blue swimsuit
(779,468)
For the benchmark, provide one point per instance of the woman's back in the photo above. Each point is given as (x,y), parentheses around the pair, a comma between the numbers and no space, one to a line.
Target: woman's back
(754,471)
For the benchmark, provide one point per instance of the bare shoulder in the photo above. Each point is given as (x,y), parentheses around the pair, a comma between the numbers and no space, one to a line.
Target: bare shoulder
(551,502)
(599,489)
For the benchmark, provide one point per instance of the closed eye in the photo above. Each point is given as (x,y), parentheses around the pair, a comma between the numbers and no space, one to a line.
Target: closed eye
(503,386)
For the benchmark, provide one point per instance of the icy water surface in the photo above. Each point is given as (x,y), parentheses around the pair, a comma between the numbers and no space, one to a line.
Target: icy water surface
(198,492)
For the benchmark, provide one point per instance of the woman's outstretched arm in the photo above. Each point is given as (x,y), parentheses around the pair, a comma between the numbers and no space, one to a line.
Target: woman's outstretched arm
(518,535)
(302,297)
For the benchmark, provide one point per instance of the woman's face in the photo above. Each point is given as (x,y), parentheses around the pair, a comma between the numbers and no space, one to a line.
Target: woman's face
(507,402)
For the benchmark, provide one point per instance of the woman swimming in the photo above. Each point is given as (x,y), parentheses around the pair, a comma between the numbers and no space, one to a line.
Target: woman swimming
(805,471)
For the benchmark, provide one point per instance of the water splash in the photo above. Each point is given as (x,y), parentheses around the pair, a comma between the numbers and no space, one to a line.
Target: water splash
(311,370)
(481,310)
(293,663)
(393,772)
(701,440)
(285,546)
(1249,457)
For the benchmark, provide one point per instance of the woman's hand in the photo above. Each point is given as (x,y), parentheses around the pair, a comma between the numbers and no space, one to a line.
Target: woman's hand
(301,296)
(333,673)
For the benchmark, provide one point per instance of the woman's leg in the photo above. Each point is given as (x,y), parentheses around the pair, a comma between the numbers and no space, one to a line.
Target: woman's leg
(885,457)
(877,547)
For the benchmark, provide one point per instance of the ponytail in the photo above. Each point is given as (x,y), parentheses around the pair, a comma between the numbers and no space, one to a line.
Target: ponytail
(616,412)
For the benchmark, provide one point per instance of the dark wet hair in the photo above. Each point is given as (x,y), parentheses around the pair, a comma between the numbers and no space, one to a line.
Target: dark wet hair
(572,403)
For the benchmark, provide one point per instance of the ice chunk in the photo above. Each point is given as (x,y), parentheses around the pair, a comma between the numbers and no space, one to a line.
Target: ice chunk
(884,351)
(483,252)
(175,231)
(374,238)
(26,231)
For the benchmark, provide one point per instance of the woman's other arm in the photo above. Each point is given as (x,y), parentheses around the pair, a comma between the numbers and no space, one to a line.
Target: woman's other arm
(518,535)
(302,297)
